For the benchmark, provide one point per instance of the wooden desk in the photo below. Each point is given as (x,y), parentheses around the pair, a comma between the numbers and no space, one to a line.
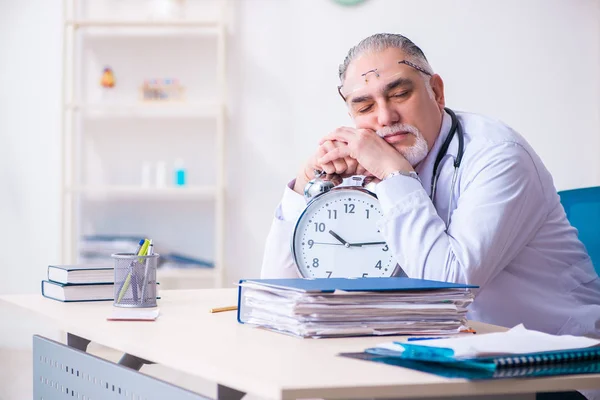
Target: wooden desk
(187,338)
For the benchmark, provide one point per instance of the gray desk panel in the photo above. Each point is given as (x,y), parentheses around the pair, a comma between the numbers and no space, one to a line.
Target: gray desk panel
(62,372)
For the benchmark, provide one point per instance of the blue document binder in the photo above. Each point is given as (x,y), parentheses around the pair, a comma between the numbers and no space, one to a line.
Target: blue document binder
(329,285)
(299,291)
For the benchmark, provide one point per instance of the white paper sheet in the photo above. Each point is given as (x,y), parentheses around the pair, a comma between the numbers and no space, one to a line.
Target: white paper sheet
(517,340)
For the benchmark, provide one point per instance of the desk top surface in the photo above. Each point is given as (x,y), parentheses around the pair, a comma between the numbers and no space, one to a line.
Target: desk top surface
(186,337)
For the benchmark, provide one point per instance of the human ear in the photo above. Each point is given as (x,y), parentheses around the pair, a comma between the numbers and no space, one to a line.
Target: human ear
(437,85)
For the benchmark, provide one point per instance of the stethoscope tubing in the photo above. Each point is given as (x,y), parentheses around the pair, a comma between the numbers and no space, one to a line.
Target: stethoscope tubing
(455,128)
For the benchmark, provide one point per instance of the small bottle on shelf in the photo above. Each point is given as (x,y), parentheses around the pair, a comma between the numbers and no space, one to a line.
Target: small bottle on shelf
(161,167)
(180,173)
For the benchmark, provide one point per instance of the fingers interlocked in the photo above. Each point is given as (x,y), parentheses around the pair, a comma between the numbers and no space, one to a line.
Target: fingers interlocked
(340,165)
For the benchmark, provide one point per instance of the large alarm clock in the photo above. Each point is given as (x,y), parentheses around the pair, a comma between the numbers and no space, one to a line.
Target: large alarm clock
(336,236)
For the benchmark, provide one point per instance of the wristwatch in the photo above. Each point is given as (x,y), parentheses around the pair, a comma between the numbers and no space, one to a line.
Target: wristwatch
(411,174)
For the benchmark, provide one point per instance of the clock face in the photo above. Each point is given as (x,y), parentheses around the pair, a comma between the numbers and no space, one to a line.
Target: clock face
(337,237)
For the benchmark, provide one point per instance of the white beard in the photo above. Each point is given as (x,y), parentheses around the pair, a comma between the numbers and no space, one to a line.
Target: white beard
(415,153)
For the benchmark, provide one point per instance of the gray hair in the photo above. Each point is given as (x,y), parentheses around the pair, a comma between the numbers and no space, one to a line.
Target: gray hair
(380,42)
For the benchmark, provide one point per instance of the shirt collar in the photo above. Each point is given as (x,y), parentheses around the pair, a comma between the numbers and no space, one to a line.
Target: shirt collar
(425,167)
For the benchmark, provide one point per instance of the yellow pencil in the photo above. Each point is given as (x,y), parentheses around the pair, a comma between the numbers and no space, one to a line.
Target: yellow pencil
(221,309)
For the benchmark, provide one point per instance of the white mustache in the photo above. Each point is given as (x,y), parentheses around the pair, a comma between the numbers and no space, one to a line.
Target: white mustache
(398,128)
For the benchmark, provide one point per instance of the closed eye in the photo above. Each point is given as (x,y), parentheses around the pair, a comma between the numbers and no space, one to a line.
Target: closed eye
(365,109)
(401,94)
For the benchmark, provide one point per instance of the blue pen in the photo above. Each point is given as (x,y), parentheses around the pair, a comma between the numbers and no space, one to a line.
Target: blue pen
(139,246)
(413,339)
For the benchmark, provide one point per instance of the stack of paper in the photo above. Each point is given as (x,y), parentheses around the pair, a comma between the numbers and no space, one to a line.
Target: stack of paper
(351,307)
(133,314)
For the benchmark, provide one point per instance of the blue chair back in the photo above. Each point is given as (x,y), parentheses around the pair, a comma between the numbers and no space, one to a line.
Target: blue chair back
(583,212)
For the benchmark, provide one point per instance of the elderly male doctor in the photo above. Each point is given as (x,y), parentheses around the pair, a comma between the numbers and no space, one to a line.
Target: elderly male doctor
(496,223)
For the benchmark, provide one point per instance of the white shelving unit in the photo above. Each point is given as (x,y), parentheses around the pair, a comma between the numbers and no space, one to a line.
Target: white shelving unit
(188,110)
(144,24)
(80,107)
(130,192)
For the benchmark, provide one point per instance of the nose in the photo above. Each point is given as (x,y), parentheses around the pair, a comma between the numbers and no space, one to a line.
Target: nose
(387,114)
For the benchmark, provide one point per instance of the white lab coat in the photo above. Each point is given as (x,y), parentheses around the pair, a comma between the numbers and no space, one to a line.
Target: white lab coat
(508,233)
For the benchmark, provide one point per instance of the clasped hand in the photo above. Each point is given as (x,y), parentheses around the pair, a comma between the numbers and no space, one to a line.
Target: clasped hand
(349,151)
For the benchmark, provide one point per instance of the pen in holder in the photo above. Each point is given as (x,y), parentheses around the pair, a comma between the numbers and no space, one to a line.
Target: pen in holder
(135,280)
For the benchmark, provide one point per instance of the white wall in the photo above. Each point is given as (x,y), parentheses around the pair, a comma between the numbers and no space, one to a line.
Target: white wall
(533,63)
(30,82)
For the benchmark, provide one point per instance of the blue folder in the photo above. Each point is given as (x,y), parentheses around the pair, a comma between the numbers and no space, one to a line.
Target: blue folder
(444,356)
(452,371)
(329,285)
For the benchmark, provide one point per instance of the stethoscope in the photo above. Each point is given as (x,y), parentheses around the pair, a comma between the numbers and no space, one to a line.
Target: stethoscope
(455,128)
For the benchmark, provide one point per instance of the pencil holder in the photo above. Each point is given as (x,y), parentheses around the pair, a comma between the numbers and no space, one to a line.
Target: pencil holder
(135,280)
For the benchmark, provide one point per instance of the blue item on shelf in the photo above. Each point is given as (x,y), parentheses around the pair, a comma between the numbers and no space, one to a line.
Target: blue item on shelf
(181,261)
(108,238)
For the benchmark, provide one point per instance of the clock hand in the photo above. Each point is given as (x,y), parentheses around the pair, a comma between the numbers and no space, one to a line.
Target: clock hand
(366,243)
(342,241)
(331,244)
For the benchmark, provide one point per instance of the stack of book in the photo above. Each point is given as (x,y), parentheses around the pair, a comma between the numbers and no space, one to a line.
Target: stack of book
(333,307)
(94,282)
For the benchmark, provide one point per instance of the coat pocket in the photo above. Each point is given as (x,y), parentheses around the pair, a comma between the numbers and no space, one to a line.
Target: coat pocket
(576,327)
(578,274)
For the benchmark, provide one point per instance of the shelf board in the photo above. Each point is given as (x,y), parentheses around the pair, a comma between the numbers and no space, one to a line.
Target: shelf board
(185,273)
(138,192)
(150,110)
(208,23)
